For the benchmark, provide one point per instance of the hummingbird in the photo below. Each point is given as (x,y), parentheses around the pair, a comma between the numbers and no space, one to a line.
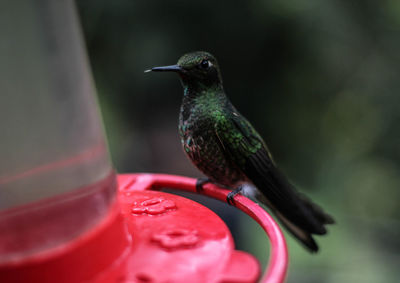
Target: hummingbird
(223,144)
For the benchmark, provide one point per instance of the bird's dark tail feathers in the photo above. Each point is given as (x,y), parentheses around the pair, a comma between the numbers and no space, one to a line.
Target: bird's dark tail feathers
(297,213)
(300,216)
(301,234)
(317,211)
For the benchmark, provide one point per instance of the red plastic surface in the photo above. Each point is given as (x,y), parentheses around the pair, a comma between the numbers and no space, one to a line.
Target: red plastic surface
(179,240)
(151,236)
(278,260)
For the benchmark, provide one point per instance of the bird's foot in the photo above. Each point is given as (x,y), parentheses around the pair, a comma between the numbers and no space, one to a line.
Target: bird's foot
(230,198)
(200,182)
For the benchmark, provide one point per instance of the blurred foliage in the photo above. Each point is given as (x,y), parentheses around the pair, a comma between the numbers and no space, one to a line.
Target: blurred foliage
(318,79)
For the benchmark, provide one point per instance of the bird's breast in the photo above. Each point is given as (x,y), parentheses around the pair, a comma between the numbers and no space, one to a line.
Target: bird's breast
(201,144)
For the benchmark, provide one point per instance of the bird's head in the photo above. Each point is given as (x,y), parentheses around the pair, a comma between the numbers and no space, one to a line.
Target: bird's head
(195,69)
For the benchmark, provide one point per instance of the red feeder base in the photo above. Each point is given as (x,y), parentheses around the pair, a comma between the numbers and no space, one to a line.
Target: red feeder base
(152,236)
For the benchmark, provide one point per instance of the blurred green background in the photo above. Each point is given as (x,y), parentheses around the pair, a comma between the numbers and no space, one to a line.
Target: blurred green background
(318,79)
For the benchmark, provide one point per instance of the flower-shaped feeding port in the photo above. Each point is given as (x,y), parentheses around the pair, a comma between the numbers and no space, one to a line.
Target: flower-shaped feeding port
(176,238)
(153,206)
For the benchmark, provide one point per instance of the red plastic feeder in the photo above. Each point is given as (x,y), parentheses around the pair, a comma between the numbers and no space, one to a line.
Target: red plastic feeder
(197,231)
(65,216)
(152,236)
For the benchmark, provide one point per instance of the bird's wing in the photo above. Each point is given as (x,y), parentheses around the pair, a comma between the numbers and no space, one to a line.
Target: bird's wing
(248,151)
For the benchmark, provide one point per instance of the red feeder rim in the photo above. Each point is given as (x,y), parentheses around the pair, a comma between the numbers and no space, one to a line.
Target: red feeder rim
(278,259)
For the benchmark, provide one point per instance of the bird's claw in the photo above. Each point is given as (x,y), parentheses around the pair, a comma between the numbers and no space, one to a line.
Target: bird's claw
(230,198)
(200,182)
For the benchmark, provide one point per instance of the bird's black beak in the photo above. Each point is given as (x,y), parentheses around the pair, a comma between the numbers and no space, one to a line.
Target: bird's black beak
(172,68)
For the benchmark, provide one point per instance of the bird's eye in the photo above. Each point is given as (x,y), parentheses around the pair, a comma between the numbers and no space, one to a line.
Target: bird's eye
(205,64)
